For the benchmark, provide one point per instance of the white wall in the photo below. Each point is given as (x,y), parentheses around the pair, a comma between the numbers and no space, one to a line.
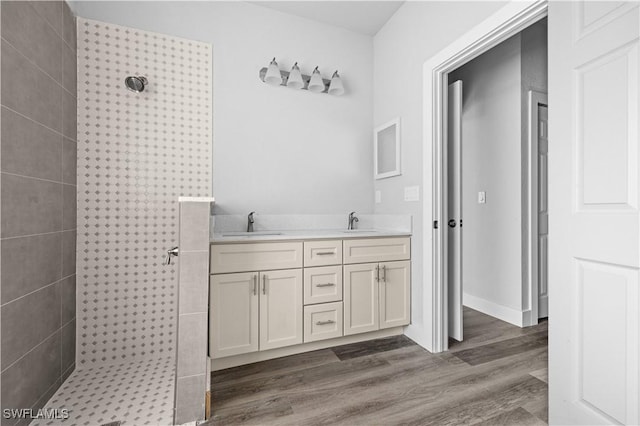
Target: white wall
(417,32)
(276,150)
(491,162)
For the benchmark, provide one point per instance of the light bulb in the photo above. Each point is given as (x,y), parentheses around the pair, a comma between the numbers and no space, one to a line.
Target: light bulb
(316,84)
(336,88)
(273,76)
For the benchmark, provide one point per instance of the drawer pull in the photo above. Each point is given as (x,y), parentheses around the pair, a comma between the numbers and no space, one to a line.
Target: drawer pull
(325,285)
(255,284)
(325,322)
(325,253)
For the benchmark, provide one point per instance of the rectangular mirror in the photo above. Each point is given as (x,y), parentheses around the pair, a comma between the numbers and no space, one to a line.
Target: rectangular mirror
(386,148)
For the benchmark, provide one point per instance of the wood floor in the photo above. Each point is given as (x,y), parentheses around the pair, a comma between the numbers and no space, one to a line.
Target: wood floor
(496,376)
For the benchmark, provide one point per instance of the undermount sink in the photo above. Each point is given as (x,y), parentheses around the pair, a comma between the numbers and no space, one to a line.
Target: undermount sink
(250,234)
(355,231)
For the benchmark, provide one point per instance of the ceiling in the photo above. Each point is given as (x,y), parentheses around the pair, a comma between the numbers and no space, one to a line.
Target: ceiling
(364,17)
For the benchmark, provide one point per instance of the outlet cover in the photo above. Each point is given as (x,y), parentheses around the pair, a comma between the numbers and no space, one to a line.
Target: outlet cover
(378,196)
(412,193)
(482,197)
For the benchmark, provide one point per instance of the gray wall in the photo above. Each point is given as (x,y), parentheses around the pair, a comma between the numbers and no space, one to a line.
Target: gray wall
(491,163)
(494,157)
(38,203)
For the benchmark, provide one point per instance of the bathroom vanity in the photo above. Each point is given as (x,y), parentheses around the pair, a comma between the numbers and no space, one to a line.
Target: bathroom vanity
(277,294)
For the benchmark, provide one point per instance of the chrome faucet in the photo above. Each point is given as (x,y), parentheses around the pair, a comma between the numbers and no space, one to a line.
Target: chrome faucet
(352,218)
(250,221)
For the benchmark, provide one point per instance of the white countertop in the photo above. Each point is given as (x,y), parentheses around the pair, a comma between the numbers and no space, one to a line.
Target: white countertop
(313,234)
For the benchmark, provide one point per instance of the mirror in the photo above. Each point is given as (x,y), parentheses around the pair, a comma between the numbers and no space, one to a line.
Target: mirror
(386,148)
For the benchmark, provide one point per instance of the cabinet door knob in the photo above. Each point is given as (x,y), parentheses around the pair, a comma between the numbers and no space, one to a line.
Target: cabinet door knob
(255,284)
(384,273)
(264,284)
(377,273)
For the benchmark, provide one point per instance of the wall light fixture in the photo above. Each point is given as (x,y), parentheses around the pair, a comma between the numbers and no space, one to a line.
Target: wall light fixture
(296,80)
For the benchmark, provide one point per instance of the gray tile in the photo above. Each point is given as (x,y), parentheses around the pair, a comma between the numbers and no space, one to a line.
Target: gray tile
(69,203)
(193,282)
(28,90)
(69,25)
(67,373)
(68,346)
(29,263)
(25,382)
(51,11)
(192,345)
(68,299)
(28,321)
(30,206)
(190,397)
(47,395)
(69,116)
(69,71)
(30,149)
(68,253)
(29,33)
(194,226)
(69,161)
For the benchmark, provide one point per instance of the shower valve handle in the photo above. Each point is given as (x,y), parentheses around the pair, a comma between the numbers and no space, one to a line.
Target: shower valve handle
(170,253)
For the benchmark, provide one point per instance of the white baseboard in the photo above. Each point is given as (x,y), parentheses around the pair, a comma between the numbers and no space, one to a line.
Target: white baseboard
(510,315)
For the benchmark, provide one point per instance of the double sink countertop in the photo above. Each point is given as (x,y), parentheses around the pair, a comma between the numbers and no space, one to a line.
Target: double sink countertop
(312,234)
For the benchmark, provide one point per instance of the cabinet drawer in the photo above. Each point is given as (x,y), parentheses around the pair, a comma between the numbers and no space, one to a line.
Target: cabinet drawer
(376,250)
(321,253)
(323,284)
(255,257)
(322,321)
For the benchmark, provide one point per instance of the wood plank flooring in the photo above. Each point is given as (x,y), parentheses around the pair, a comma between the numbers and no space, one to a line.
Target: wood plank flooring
(496,376)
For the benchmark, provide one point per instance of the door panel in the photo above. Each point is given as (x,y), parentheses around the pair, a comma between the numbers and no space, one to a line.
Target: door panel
(395,289)
(594,234)
(280,308)
(543,211)
(233,318)
(361,295)
(454,199)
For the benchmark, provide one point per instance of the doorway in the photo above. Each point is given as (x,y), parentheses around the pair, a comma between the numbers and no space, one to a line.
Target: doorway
(496,227)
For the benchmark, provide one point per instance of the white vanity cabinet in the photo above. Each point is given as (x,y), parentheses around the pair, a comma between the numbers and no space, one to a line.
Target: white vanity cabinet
(293,295)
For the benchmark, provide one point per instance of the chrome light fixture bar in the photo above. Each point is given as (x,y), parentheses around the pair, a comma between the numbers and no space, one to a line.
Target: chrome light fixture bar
(302,81)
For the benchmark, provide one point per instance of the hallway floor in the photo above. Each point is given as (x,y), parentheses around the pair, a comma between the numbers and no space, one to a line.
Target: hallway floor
(496,376)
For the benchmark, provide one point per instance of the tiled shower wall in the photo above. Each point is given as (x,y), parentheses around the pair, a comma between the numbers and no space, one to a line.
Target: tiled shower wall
(137,153)
(38,201)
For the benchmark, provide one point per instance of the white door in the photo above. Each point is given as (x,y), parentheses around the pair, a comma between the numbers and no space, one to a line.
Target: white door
(543,210)
(233,316)
(594,223)
(454,196)
(361,295)
(395,297)
(280,308)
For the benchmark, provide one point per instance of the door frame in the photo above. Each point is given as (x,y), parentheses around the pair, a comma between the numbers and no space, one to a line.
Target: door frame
(535,99)
(506,22)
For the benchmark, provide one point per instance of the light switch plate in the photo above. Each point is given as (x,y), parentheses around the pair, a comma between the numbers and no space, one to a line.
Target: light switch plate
(378,196)
(482,197)
(412,193)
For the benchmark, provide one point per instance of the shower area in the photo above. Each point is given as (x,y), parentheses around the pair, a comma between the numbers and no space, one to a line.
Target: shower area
(100,137)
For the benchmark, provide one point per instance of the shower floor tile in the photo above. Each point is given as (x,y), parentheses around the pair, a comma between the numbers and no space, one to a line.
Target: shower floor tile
(134,393)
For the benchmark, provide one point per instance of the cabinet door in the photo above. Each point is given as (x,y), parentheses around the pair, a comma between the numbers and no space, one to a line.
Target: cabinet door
(361,312)
(233,316)
(280,308)
(395,294)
